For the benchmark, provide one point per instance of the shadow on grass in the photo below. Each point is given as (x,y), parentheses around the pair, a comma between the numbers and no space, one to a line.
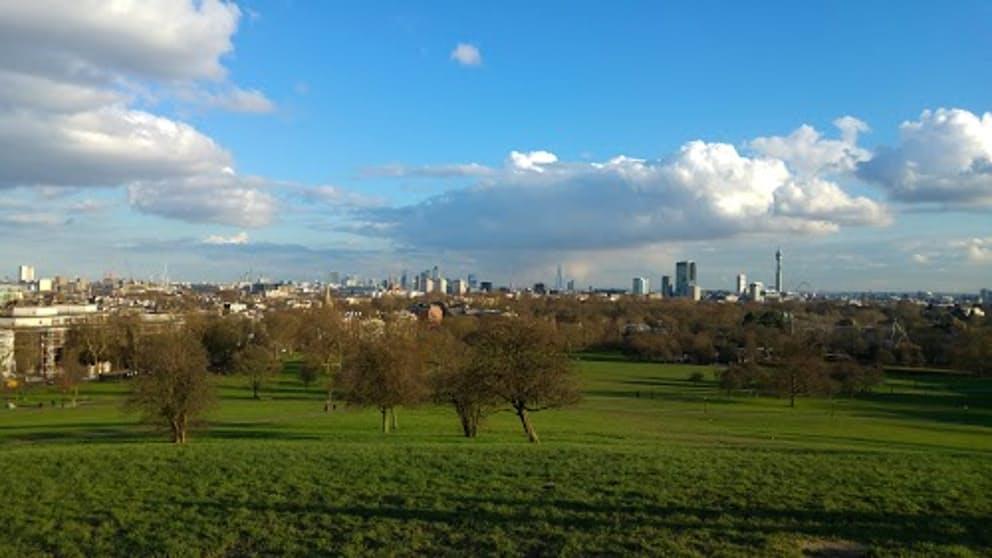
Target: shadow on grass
(120,432)
(479,513)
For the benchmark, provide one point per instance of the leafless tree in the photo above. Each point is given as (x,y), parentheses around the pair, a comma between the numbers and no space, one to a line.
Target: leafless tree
(258,364)
(172,388)
(528,368)
(386,370)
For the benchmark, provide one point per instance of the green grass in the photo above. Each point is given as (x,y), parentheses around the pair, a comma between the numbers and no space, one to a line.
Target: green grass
(648,463)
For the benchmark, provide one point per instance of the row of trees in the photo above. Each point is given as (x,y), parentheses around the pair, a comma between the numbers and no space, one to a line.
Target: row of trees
(513,364)
(799,367)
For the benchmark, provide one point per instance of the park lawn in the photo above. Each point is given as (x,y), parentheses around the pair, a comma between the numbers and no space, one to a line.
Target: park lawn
(648,463)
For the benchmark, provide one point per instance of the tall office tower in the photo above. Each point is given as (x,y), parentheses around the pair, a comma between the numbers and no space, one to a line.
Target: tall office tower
(435,273)
(441,286)
(778,271)
(685,277)
(559,281)
(404,281)
(756,291)
(334,278)
(25,273)
(641,286)
(571,285)
(741,284)
(473,281)
(666,286)
(426,284)
(458,287)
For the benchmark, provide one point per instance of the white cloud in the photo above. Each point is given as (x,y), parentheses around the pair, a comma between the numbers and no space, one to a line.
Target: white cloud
(105,146)
(98,41)
(466,54)
(808,153)
(705,191)
(71,75)
(943,158)
(976,250)
(231,99)
(531,161)
(220,240)
(921,259)
(222,198)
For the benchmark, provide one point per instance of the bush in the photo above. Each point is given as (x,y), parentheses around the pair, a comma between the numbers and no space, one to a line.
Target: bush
(696,376)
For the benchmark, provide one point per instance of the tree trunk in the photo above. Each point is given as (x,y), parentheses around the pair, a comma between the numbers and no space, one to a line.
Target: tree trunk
(254,389)
(528,427)
(392,414)
(385,419)
(468,419)
(329,403)
(179,430)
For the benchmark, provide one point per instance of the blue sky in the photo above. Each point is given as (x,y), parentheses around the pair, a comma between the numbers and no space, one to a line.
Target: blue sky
(290,139)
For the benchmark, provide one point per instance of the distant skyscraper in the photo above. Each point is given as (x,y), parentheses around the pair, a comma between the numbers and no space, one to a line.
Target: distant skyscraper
(756,291)
(25,273)
(641,287)
(559,281)
(666,286)
(779,285)
(685,277)
(334,278)
(571,285)
(404,281)
(435,273)
(473,281)
(741,284)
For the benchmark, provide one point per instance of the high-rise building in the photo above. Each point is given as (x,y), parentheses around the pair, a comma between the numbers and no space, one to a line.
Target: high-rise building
(571,285)
(435,273)
(641,287)
(741,284)
(559,280)
(486,286)
(441,286)
(666,286)
(779,285)
(473,282)
(756,291)
(685,277)
(334,278)
(458,287)
(25,273)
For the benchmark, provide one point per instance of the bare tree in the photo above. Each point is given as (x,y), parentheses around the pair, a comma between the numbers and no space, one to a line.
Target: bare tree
(528,368)
(172,388)
(322,337)
(258,364)
(73,371)
(801,370)
(458,378)
(386,370)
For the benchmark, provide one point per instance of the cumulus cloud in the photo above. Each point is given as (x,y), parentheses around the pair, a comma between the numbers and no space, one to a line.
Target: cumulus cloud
(71,78)
(808,153)
(976,250)
(223,198)
(705,191)
(105,146)
(216,239)
(944,158)
(466,54)
(531,161)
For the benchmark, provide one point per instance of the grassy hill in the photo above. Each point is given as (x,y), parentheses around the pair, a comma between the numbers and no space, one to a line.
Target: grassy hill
(649,463)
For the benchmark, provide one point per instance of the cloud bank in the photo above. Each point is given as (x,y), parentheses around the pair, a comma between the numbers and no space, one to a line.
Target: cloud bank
(705,191)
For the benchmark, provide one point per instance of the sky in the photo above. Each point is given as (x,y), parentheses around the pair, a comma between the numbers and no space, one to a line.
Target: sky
(213,140)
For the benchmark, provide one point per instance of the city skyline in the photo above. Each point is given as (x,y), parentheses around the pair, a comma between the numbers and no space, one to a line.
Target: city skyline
(222,139)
